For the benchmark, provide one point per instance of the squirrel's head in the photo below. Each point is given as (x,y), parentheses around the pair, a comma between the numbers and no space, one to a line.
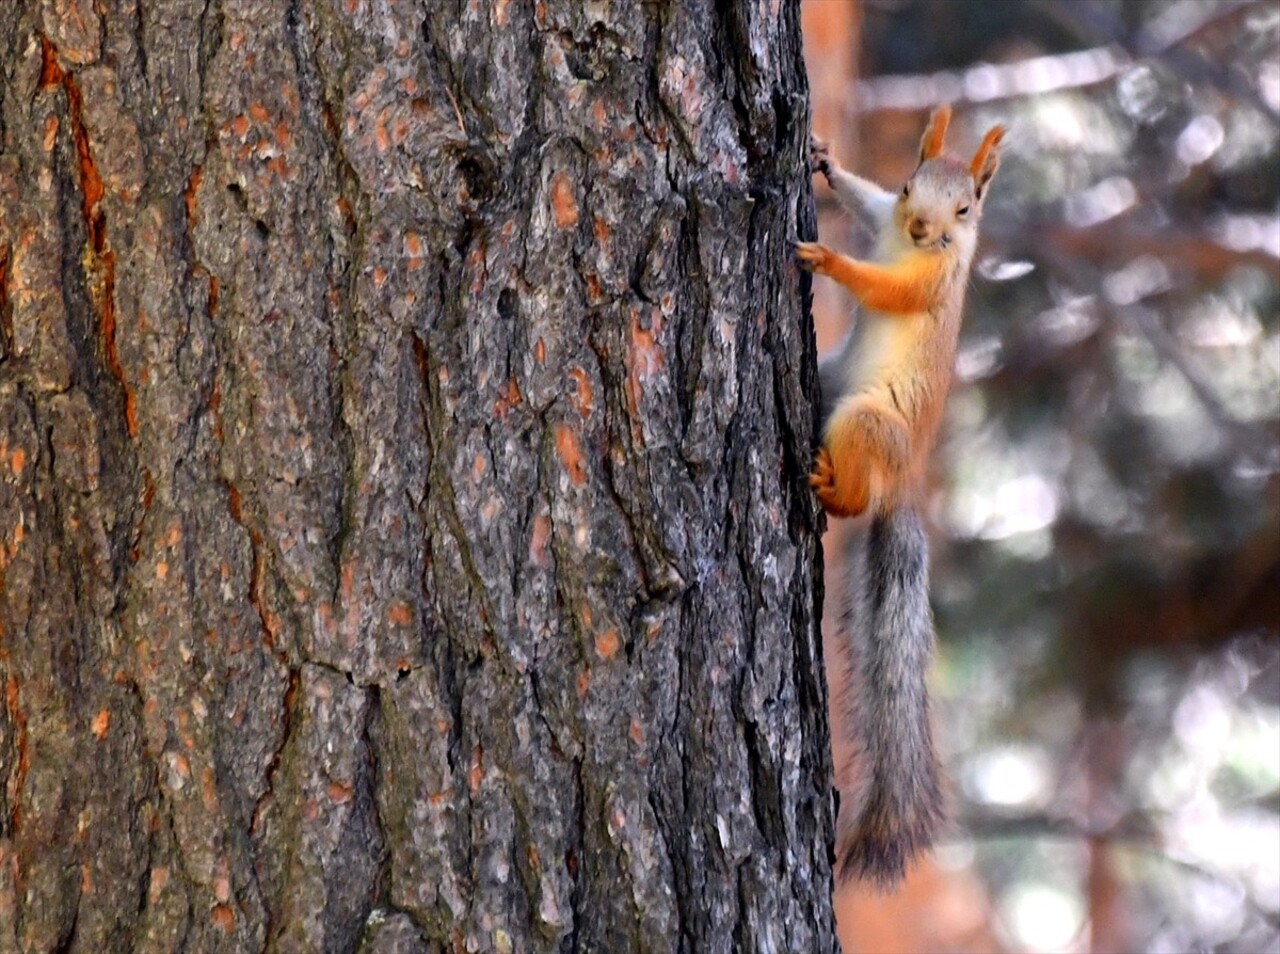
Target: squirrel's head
(941,203)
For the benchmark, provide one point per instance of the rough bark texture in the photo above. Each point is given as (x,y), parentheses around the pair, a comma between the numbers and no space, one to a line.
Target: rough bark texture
(404,415)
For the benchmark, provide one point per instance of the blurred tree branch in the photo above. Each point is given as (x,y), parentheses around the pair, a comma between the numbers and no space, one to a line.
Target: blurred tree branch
(1091,21)
(988,82)
(1184,249)
(1136,830)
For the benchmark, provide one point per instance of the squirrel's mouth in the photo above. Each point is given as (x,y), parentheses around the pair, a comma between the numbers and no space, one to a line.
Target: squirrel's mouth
(942,241)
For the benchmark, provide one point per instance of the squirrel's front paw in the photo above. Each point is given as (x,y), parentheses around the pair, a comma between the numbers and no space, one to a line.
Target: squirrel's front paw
(835,500)
(819,156)
(812,256)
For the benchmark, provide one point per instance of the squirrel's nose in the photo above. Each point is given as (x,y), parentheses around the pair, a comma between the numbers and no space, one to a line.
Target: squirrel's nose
(918,228)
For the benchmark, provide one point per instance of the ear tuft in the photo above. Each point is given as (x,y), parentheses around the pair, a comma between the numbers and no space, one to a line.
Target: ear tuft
(935,133)
(987,159)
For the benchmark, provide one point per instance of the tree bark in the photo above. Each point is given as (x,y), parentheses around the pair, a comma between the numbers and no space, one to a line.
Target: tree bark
(404,417)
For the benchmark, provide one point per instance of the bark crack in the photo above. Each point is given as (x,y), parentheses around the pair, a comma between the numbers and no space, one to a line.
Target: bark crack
(286,718)
(100,259)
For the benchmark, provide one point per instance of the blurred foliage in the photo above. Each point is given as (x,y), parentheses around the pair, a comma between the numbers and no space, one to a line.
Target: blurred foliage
(1108,585)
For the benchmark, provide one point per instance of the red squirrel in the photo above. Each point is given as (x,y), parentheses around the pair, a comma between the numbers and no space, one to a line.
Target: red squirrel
(882,403)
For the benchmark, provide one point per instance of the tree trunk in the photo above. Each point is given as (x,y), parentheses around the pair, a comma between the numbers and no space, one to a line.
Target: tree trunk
(404,417)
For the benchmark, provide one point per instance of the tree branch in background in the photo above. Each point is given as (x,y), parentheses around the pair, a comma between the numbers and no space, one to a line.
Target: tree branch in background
(1092,21)
(988,82)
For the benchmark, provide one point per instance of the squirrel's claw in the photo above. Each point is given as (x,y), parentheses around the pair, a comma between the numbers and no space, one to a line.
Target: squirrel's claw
(823,481)
(819,156)
(823,474)
(810,256)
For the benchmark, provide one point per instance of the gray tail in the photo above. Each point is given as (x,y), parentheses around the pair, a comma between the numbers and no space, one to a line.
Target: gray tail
(889,634)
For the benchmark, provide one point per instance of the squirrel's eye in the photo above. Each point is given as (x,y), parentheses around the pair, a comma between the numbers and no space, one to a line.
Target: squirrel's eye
(906,190)
(962,212)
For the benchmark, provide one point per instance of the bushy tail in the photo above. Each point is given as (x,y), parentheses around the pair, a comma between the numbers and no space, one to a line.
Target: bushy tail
(889,634)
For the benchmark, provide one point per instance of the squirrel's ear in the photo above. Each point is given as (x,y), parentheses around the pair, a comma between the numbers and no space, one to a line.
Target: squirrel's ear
(935,133)
(987,159)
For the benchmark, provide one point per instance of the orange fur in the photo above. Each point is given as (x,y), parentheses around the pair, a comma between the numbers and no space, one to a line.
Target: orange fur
(908,286)
(986,160)
(935,133)
(865,456)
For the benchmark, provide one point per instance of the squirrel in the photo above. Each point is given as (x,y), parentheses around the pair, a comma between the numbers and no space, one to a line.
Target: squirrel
(882,403)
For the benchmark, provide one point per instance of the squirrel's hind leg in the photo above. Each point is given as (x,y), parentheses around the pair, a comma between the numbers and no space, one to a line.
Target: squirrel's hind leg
(863,459)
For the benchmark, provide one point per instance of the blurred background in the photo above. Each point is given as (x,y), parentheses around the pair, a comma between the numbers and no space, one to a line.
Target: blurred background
(1105,503)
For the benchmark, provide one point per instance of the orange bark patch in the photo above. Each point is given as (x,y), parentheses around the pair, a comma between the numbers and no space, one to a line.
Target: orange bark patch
(209,792)
(400,614)
(215,406)
(280,166)
(101,723)
(584,683)
(508,398)
(222,883)
(540,352)
(539,539)
(51,73)
(224,918)
(570,453)
(348,216)
(189,194)
(645,359)
(476,773)
(584,396)
(131,412)
(17,461)
(159,878)
(340,793)
(647,355)
(564,206)
(608,643)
